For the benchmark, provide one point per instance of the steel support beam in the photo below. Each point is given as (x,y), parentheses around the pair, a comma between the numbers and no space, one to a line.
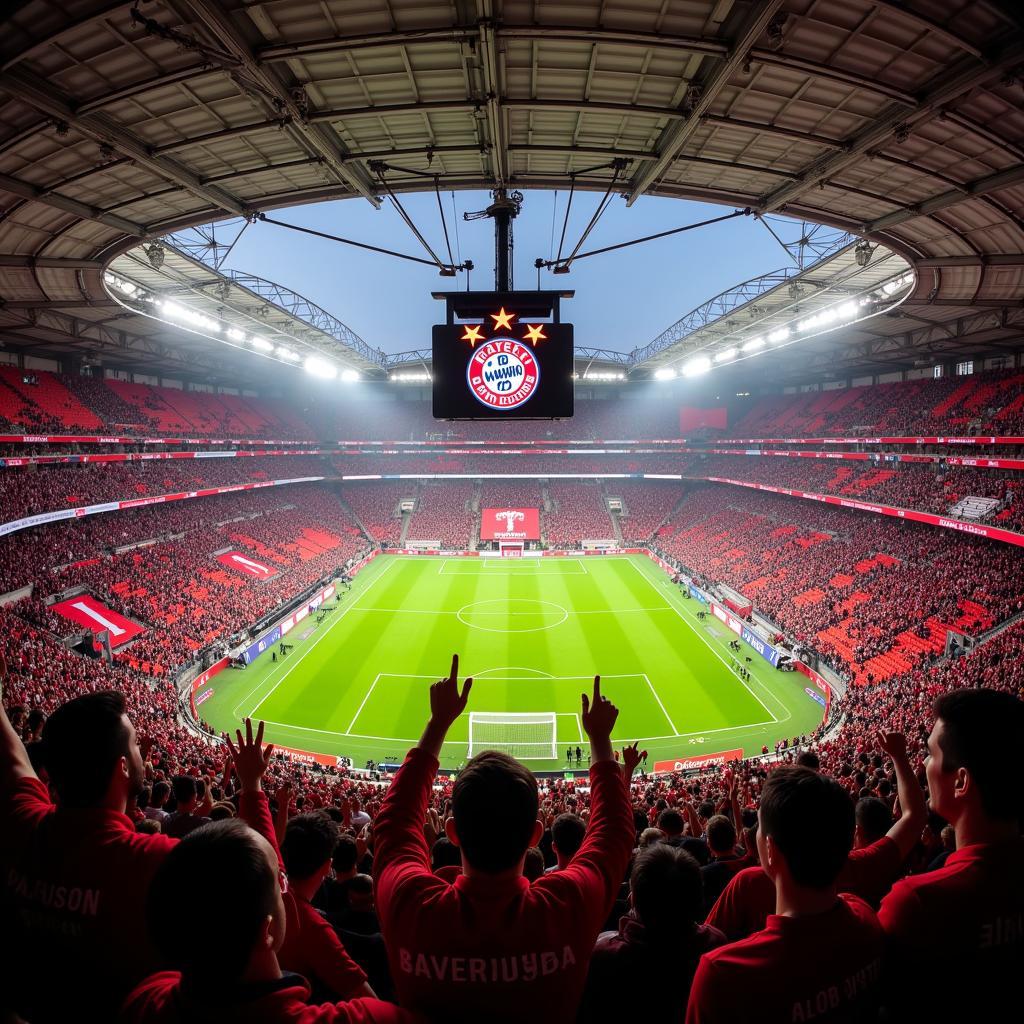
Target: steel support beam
(37,93)
(490,65)
(35,194)
(322,142)
(9,259)
(969,190)
(945,88)
(676,136)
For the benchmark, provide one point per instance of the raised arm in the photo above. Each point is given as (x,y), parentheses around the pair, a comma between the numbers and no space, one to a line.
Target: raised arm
(251,760)
(594,874)
(14,762)
(907,830)
(400,848)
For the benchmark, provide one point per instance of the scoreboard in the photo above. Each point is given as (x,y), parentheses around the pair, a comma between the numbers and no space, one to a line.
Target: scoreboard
(507,364)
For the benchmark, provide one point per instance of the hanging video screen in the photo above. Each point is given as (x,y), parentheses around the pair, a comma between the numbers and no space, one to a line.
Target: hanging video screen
(502,369)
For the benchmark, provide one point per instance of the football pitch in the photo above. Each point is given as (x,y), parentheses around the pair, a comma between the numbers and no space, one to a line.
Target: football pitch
(532,633)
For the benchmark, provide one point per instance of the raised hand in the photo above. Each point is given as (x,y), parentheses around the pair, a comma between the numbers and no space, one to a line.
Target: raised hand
(631,757)
(893,744)
(598,718)
(250,758)
(446,703)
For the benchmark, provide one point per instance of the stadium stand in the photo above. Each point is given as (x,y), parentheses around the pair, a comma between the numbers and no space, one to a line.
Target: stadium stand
(442,514)
(578,512)
(153,871)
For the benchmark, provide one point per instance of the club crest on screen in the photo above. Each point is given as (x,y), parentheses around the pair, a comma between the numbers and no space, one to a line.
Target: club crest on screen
(503,373)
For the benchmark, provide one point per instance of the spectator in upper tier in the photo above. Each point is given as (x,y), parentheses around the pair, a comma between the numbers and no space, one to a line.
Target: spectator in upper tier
(333,895)
(156,811)
(820,955)
(658,940)
(311,946)
(77,873)
(567,832)
(235,876)
(193,802)
(492,946)
(955,939)
(724,863)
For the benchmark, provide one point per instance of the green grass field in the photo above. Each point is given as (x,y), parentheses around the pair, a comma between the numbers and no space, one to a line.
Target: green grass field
(532,633)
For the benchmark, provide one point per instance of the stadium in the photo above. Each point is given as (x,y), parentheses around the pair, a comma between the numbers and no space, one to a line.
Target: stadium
(400,621)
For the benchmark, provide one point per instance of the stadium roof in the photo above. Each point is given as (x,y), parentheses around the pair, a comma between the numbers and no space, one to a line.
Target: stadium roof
(121,122)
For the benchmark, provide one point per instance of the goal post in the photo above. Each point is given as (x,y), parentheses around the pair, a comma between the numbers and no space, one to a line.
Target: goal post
(511,548)
(526,737)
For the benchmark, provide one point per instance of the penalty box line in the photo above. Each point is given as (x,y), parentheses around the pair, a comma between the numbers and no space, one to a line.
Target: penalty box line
(506,571)
(548,679)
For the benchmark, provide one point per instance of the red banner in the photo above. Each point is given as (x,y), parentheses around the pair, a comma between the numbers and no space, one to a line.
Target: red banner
(87,611)
(689,762)
(246,566)
(692,418)
(510,524)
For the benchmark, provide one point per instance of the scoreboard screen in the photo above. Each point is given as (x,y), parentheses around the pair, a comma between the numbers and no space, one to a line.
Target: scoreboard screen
(503,368)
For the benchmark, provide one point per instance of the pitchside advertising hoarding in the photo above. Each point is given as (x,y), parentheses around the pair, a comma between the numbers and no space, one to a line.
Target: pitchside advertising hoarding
(510,524)
(694,761)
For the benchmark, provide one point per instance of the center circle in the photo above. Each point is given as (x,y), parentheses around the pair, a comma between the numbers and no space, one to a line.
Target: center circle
(523,614)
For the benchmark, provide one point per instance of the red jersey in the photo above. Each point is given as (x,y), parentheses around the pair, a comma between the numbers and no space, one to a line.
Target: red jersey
(161,999)
(825,968)
(749,898)
(312,948)
(494,949)
(960,929)
(76,882)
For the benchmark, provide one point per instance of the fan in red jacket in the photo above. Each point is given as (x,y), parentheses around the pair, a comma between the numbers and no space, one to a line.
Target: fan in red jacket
(955,936)
(819,956)
(870,869)
(77,873)
(492,946)
(230,971)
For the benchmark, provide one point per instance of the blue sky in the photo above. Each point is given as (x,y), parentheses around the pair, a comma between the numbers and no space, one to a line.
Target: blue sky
(623,299)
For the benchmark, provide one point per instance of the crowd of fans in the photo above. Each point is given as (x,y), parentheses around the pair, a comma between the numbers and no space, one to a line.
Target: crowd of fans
(647,506)
(443,514)
(924,486)
(851,586)
(578,512)
(47,488)
(818,887)
(377,507)
(983,404)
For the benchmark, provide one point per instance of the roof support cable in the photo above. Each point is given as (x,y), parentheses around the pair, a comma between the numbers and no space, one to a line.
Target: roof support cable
(618,165)
(348,241)
(771,231)
(444,223)
(648,238)
(379,167)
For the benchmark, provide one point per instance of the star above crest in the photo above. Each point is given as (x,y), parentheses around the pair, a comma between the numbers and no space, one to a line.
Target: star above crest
(503,320)
(535,333)
(473,334)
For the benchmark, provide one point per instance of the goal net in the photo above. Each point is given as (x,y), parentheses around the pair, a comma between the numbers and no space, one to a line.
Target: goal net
(523,736)
(510,548)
